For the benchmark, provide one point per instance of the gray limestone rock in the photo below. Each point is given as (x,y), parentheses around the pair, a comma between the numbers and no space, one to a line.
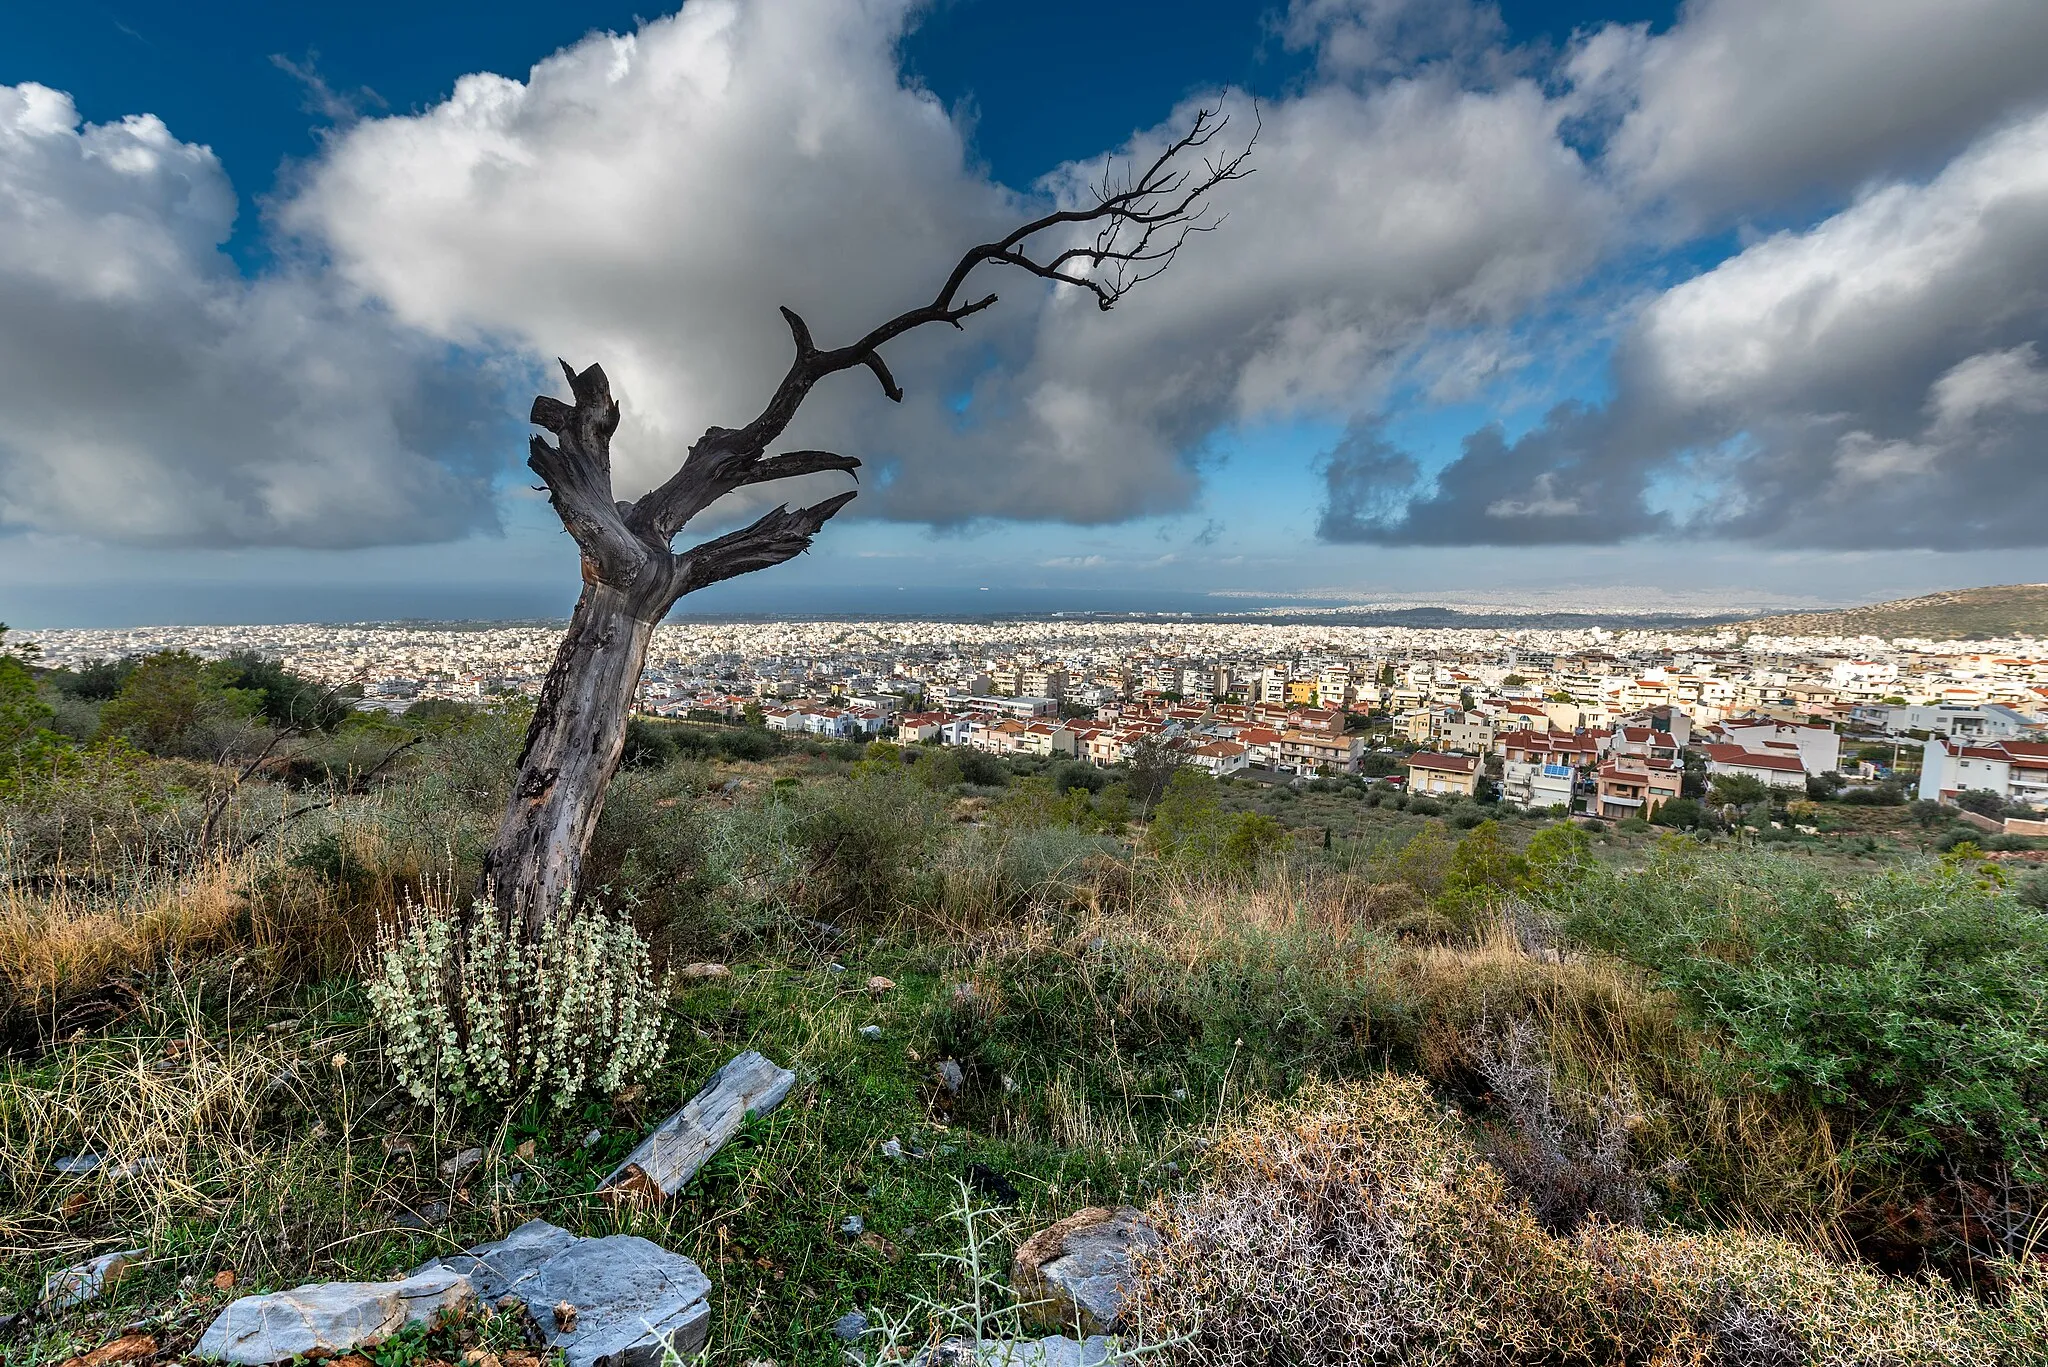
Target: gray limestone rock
(850,1326)
(498,1267)
(1078,1272)
(78,1284)
(635,1302)
(1055,1350)
(327,1318)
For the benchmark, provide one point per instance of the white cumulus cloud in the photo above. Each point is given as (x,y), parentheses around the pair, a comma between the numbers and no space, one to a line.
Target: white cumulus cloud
(153,394)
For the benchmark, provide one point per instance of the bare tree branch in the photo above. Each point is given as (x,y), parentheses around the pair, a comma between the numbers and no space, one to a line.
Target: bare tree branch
(1141,221)
(777,536)
(356,786)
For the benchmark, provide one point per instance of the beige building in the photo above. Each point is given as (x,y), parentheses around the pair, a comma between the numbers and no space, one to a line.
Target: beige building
(1435,774)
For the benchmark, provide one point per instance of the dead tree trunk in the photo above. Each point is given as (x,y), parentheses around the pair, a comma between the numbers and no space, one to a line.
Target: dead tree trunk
(631,574)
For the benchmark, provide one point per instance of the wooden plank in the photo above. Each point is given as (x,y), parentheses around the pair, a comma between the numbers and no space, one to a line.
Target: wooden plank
(671,1155)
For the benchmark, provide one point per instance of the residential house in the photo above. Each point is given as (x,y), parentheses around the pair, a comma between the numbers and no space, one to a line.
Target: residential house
(1540,769)
(1780,768)
(1313,752)
(1627,785)
(1441,775)
(1466,732)
(1220,757)
(1819,748)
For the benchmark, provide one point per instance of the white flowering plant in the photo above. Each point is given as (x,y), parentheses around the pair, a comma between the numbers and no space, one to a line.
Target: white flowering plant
(474,1014)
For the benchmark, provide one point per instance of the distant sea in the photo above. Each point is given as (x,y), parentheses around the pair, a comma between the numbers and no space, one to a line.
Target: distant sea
(246,604)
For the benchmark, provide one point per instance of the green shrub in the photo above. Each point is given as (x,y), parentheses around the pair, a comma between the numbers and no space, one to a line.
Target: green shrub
(1191,830)
(1481,870)
(1912,998)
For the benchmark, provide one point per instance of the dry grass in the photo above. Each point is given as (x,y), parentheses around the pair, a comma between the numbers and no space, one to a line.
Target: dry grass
(1360,1226)
(61,942)
(185,1118)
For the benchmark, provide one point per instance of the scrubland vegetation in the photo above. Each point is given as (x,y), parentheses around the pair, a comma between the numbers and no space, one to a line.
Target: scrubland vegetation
(1429,1087)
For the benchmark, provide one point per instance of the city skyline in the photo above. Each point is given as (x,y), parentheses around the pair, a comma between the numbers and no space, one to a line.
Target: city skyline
(1729,304)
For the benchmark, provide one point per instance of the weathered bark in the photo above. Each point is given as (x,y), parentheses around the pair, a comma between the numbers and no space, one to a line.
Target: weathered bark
(669,1157)
(572,750)
(632,576)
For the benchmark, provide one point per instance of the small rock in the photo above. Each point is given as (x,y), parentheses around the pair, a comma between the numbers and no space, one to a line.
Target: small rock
(879,984)
(224,1280)
(871,1032)
(893,1148)
(850,1326)
(1180,1094)
(591,1140)
(76,1166)
(76,1285)
(693,973)
(1009,1083)
(127,1348)
(458,1167)
(329,1318)
(428,1216)
(525,1149)
(851,1226)
(836,970)
(991,1183)
(135,1167)
(396,1145)
(951,1077)
(1078,1272)
(1056,1350)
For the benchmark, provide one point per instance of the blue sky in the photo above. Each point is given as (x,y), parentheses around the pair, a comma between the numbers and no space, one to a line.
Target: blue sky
(1652,303)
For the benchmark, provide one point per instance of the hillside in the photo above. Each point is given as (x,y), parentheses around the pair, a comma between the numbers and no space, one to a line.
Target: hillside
(1954,614)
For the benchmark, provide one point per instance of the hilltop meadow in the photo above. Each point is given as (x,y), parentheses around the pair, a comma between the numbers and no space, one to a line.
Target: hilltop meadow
(1399,1082)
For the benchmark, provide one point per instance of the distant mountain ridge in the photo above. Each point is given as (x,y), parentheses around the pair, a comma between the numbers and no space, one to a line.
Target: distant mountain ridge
(1952,615)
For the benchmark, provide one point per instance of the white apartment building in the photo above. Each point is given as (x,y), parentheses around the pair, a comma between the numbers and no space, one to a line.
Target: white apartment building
(2016,770)
(1986,722)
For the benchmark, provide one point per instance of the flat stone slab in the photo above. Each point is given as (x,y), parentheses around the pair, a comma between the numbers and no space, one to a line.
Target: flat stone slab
(629,1302)
(499,1267)
(1077,1273)
(634,1301)
(328,1318)
(685,1142)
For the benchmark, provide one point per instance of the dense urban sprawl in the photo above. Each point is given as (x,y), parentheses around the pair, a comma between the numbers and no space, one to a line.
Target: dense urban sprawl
(1604,722)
